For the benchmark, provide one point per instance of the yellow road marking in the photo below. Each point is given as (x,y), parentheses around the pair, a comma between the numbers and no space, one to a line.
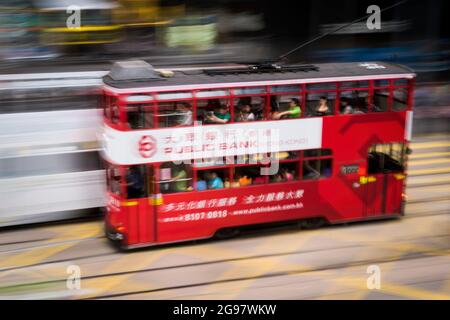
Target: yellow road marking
(431,144)
(429,171)
(51,247)
(428,161)
(428,155)
(395,289)
(105,285)
(428,180)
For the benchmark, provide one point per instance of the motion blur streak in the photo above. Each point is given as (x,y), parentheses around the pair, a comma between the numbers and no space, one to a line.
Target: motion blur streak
(50,169)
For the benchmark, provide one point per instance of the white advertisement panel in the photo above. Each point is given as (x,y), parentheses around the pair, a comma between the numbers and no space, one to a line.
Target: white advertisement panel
(207,141)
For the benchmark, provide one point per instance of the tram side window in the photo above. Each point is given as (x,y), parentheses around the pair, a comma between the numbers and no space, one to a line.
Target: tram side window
(249,109)
(386,158)
(315,169)
(286,172)
(140,116)
(174,114)
(400,99)
(379,102)
(115,113)
(173,178)
(213,111)
(316,164)
(320,104)
(245,176)
(136,181)
(353,102)
(105,104)
(212,179)
(113,179)
(285,107)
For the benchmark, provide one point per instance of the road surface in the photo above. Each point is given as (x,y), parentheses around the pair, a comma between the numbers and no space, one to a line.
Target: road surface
(411,253)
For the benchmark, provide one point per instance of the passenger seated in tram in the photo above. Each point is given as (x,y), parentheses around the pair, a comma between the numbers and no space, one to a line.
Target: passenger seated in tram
(135,183)
(214,181)
(287,175)
(244,181)
(201,185)
(294,111)
(277,178)
(371,106)
(322,108)
(345,107)
(179,179)
(185,114)
(245,111)
(220,115)
(275,113)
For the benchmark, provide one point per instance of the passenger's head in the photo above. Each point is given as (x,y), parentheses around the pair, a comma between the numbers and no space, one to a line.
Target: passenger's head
(344,101)
(294,102)
(211,175)
(184,106)
(323,99)
(246,108)
(222,109)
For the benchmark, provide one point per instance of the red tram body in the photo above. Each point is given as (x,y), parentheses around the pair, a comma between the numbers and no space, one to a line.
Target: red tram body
(337,166)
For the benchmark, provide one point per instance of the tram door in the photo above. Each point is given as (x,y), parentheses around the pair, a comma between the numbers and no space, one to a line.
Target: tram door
(140,211)
(384,182)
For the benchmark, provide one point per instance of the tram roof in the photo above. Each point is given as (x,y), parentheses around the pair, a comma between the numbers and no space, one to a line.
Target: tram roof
(324,72)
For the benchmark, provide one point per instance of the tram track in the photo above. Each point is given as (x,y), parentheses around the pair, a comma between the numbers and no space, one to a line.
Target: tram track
(331,267)
(289,227)
(359,246)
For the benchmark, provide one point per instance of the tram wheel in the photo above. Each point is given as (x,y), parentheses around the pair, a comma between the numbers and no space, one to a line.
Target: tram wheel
(313,223)
(227,233)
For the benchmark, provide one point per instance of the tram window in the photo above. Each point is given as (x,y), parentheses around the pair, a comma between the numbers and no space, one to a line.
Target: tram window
(285,107)
(135,181)
(401,82)
(285,89)
(140,116)
(213,111)
(285,155)
(400,99)
(381,83)
(106,106)
(174,114)
(245,176)
(173,178)
(214,161)
(212,93)
(354,84)
(245,91)
(212,179)
(317,153)
(167,96)
(115,113)
(286,172)
(315,169)
(113,180)
(386,158)
(380,100)
(322,86)
(249,109)
(353,102)
(319,104)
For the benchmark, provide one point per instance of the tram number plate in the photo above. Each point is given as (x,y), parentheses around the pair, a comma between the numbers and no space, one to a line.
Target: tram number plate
(350,169)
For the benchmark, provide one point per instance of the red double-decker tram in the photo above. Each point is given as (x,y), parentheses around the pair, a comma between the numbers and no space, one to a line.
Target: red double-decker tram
(196,153)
